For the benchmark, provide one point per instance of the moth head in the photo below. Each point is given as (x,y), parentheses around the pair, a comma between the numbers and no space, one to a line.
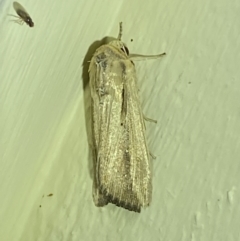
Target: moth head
(120,45)
(29,22)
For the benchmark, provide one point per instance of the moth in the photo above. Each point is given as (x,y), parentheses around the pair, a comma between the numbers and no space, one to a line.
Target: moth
(23,16)
(121,159)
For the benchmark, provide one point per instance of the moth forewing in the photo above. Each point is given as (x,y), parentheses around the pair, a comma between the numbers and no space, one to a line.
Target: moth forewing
(122,162)
(23,15)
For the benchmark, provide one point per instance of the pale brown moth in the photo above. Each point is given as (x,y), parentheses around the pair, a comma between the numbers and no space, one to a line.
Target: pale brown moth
(122,163)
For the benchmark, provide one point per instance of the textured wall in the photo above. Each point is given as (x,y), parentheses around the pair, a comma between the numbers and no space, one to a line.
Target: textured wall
(193,92)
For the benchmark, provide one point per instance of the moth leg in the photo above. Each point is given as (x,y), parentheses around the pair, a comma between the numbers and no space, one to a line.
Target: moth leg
(154,121)
(149,119)
(152,156)
(13,15)
(19,21)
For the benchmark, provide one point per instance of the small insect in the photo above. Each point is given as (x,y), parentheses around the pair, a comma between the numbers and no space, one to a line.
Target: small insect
(121,157)
(23,16)
(49,195)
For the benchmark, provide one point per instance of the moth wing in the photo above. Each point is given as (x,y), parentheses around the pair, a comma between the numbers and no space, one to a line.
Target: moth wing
(20,10)
(106,92)
(121,155)
(138,151)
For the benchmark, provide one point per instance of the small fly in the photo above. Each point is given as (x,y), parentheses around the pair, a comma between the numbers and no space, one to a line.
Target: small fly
(23,16)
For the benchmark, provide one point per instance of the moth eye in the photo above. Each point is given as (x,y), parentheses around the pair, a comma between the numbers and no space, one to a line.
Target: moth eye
(125,50)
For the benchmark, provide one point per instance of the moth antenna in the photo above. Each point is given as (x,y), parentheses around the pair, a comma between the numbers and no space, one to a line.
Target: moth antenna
(120,31)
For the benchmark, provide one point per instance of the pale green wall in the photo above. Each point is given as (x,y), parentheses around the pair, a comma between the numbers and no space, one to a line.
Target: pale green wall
(194,93)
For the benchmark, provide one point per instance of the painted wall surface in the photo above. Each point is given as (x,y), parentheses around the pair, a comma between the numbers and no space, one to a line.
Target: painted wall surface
(193,93)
